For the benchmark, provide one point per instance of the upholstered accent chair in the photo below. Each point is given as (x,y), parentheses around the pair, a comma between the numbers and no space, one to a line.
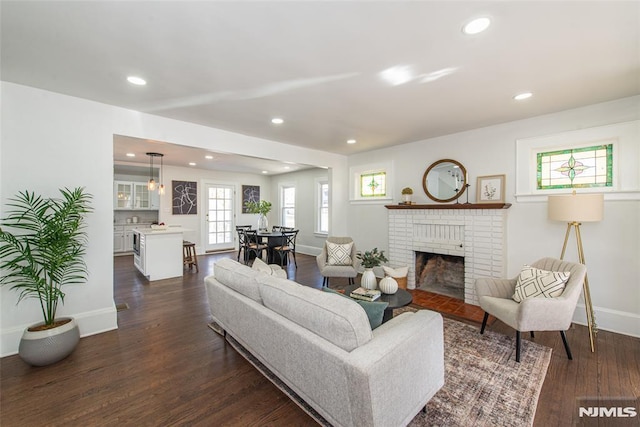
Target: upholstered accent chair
(338,259)
(533,314)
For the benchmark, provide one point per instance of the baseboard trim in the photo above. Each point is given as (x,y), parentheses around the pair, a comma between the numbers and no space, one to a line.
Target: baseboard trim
(308,250)
(620,322)
(90,323)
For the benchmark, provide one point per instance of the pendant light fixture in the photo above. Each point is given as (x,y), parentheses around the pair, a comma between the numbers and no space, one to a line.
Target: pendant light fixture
(151,185)
(161,177)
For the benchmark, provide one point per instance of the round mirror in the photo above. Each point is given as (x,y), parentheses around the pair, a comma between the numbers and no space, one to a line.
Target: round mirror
(445,180)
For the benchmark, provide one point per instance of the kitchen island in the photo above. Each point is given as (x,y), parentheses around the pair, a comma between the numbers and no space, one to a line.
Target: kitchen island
(158,252)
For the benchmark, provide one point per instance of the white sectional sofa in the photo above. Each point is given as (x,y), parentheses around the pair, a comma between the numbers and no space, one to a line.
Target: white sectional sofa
(321,345)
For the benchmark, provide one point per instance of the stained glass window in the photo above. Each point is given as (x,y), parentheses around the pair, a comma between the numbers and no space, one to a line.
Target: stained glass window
(576,168)
(373,184)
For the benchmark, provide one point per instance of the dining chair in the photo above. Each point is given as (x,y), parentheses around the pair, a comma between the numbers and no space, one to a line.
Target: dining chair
(287,246)
(254,244)
(242,241)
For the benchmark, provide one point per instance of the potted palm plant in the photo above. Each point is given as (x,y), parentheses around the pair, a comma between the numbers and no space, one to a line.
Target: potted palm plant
(43,252)
(370,259)
(262,208)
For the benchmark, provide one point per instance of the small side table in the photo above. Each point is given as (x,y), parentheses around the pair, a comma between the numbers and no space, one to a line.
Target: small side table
(401,298)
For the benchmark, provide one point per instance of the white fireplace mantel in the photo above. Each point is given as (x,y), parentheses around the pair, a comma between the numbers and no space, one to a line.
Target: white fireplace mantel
(476,232)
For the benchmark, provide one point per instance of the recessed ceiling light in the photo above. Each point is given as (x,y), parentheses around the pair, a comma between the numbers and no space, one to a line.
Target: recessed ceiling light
(265,171)
(208,157)
(351,141)
(192,163)
(277,121)
(287,167)
(523,95)
(476,26)
(136,80)
(131,155)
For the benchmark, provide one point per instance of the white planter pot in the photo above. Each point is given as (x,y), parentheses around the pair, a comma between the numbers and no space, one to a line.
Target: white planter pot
(40,348)
(368,280)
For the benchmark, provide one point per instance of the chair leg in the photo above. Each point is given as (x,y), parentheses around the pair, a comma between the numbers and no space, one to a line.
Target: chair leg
(484,322)
(566,345)
(518,346)
(532,335)
(295,261)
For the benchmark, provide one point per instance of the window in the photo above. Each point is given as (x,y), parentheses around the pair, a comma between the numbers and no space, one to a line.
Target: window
(322,222)
(373,184)
(288,204)
(582,167)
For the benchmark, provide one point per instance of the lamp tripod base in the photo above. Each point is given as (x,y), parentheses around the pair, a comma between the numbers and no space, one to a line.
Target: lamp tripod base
(591,318)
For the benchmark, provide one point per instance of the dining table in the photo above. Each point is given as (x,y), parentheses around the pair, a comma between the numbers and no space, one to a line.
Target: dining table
(273,239)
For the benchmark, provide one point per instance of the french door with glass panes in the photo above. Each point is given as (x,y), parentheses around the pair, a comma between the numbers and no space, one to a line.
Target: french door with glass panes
(219,217)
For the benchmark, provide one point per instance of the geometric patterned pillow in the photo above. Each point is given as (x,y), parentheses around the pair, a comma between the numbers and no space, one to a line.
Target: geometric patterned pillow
(339,254)
(535,283)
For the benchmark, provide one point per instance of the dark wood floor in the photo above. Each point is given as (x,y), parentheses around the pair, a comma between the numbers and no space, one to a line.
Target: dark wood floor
(164,366)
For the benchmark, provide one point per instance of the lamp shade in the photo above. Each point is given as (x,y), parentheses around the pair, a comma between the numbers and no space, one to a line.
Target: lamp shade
(576,207)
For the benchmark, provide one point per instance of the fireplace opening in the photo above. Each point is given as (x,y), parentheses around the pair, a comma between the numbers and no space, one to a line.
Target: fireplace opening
(441,274)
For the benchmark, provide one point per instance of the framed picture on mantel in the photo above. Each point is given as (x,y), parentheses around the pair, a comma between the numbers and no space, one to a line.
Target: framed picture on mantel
(490,189)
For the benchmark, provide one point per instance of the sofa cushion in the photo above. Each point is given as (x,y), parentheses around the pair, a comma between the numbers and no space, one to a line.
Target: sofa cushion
(238,277)
(337,320)
(535,283)
(339,254)
(270,269)
(374,309)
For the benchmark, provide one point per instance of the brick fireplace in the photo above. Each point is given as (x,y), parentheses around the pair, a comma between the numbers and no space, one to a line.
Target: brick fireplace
(476,232)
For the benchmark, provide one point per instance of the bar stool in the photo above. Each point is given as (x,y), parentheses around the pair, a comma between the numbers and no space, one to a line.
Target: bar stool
(189,255)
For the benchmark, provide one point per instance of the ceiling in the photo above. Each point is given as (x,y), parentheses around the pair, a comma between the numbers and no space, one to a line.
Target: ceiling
(130,158)
(317,64)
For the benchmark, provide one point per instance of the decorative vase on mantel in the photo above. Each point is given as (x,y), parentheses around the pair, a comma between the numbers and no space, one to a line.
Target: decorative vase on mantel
(368,280)
(263,224)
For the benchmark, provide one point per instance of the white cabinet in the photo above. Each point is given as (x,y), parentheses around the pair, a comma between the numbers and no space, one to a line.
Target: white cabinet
(134,195)
(128,237)
(123,195)
(123,238)
(118,239)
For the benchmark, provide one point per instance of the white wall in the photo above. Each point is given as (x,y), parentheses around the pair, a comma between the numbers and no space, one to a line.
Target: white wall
(195,223)
(51,140)
(305,182)
(612,247)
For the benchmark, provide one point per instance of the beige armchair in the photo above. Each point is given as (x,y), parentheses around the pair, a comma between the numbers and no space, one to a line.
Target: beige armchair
(533,314)
(327,270)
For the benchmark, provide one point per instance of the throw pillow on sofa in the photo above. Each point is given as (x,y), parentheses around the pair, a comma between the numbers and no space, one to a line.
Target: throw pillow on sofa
(535,283)
(374,309)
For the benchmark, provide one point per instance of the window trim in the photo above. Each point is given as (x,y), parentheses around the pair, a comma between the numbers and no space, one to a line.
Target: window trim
(283,186)
(623,136)
(319,182)
(356,172)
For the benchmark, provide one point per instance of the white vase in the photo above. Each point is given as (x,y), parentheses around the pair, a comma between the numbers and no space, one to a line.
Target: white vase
(368,280)
(406,198)
(388,285)
(263,224)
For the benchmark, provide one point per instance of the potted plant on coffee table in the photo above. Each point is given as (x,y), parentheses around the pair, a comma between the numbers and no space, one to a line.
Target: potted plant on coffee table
(262,208)
(43,252)
(370,259)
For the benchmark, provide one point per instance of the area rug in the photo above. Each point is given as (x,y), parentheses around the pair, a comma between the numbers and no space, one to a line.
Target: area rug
(484,385)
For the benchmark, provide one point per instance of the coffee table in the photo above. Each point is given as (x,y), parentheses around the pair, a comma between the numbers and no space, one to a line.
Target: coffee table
(401,298)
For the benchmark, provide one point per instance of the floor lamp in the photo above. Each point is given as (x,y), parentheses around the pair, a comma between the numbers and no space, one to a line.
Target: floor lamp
(575,209)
